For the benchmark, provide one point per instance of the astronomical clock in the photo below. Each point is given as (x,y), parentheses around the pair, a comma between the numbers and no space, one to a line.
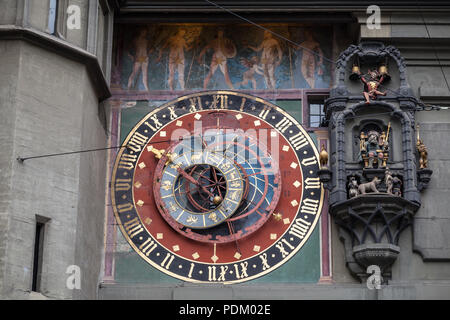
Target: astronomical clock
(217,186)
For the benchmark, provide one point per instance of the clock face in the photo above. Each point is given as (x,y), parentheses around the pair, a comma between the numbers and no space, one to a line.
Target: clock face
(217,187)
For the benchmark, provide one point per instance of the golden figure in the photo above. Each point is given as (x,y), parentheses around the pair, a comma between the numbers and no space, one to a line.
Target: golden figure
(323,157)
(384,144)
(423,152)
(363,149)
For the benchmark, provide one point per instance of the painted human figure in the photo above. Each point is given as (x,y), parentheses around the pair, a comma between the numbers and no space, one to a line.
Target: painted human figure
(223,49)
(371,85)
(177,44)
(311,51)
(271,57)
(140,59)
(249,75)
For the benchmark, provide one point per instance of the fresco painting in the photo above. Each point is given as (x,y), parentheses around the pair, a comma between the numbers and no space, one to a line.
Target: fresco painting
(242,57)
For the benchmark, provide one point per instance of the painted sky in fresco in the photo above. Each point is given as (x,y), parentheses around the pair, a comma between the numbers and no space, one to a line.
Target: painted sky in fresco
(208,56)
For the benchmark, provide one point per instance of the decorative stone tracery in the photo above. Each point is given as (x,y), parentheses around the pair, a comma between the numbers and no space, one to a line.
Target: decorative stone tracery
(374,191)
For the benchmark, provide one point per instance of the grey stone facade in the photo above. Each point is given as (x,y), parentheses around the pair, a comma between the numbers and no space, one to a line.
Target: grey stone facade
(50,91)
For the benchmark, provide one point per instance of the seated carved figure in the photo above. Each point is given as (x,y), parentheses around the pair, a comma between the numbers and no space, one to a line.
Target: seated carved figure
(375,147)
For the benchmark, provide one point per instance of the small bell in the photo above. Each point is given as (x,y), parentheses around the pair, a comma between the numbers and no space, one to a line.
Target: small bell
(355,73)
(383,70)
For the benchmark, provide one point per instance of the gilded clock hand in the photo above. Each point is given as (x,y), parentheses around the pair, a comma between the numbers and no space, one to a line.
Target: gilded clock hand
(160,153)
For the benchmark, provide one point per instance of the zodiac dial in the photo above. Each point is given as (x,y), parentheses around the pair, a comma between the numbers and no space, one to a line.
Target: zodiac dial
(217,187)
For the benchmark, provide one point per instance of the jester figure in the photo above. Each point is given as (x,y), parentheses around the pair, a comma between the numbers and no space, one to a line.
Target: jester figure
(371,84)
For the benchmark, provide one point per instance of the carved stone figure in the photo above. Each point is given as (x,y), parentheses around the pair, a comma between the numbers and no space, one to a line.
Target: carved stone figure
(388,181)
(362,142)
(353,187)
(371,84)
(369,187)
(374,148)
(397,186)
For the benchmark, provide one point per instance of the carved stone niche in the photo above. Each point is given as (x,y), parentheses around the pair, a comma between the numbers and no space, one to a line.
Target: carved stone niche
(363,128)
(372,225)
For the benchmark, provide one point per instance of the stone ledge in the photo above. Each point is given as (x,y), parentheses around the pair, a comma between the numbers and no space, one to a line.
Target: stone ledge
(51,43)
(416,289)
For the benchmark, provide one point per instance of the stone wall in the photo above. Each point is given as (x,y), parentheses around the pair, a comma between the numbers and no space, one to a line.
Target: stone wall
(50,90)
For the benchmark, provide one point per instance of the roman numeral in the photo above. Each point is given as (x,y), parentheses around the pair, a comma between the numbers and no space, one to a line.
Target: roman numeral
(309,161)
(127,161)
(124,207)
(195,104)
(312,183)
(156,123)
(212,273)
(298,141)
(263,114)
(309,206)
(173,115)
(263,258)
(137,141)
(133,227)
(242,104)
(300,228)
(212,276)
(283,125)
(167,261)
(240,274)
(223,99)
(280,246)
(191,269)
(122,184)
(148,246)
